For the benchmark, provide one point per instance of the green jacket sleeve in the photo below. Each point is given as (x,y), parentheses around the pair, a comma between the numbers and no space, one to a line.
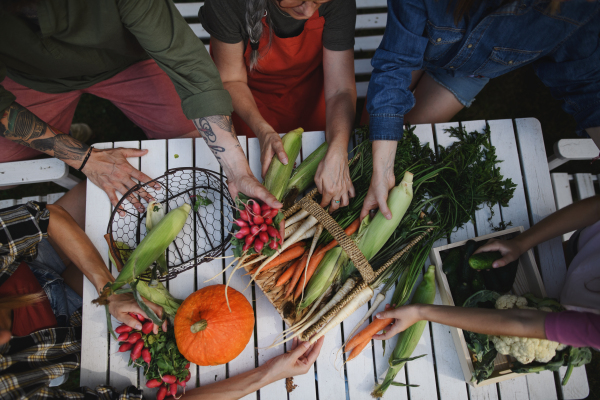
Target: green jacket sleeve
(165,35)
(6,97)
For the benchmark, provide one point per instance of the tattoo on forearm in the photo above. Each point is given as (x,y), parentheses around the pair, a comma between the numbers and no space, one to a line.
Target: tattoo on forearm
(21,124)
(221,121)
(205,130)
(64,147)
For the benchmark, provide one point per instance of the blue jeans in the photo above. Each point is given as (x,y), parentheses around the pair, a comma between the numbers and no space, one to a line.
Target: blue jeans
(47,268)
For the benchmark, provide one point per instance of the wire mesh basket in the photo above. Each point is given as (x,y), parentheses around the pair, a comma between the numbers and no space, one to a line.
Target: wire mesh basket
(205,235)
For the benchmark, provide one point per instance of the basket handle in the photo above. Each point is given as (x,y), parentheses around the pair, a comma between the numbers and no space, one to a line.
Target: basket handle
(357,257)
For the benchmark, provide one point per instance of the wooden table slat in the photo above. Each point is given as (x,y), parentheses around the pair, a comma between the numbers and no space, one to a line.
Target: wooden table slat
(94,332)
(204,158)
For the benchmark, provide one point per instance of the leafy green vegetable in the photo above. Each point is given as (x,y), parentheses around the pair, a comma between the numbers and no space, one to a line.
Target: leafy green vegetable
(569,357)
(200,201)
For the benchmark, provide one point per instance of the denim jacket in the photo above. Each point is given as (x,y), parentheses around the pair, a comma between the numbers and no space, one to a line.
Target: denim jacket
(564,48)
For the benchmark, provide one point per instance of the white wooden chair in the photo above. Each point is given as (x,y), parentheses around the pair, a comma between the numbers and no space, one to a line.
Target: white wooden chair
(569,188)
(50,199)
(36,171)
(371,19)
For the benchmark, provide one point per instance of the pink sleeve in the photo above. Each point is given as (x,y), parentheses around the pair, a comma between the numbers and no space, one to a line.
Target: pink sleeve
(573,328)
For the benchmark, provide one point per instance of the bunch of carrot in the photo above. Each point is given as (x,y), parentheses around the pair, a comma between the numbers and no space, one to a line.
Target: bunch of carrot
(298,274)
(356,345)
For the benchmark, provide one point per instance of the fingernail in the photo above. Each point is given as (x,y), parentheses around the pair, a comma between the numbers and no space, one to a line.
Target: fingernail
(138,326)
(306,345)
(378,315)
(284,161)
(388,216)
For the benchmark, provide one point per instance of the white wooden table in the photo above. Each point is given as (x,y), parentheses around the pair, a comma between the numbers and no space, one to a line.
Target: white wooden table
(439,375)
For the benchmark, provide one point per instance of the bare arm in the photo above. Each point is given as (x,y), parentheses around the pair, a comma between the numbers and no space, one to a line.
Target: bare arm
(513,322)
(575,216)
(383,180)
(333,175)
(68,238)
(229,59)
(219,134)
(295,362)
(107,169)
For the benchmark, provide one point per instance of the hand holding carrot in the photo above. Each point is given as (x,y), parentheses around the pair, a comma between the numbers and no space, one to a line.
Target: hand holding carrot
(404,317)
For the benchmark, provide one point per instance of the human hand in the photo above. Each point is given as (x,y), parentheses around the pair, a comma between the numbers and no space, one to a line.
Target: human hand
(109,170)
(121,306)
(404,317)
(249,185)
(295,362)
(4,336)
(510,250)
(333,179)
(381,184)
(270,144)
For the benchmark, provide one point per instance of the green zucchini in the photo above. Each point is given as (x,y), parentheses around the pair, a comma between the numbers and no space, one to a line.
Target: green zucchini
(484,260)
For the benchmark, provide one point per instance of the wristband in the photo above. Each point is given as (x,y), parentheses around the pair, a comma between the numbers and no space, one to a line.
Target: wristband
(89,153)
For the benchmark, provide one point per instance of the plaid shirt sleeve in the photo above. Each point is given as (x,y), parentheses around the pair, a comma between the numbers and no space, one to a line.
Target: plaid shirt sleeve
(29,363)
(22,227)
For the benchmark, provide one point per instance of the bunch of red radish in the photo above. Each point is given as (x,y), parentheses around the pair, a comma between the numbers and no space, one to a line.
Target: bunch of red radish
(256,226)
(132,340)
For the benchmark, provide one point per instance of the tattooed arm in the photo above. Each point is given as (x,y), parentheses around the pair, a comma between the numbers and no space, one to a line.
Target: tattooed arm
(219,134)
(107,169)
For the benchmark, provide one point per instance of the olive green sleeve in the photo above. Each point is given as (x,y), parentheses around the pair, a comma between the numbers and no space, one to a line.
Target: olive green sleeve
(6,97)
(167,38)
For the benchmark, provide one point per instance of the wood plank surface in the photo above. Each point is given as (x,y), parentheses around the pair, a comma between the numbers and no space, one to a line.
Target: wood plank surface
(94,332)
(204,158)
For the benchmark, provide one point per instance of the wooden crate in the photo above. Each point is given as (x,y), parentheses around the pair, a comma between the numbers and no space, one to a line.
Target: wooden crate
(528,280)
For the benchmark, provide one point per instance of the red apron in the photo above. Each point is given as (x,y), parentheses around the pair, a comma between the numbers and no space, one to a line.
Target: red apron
(287,84)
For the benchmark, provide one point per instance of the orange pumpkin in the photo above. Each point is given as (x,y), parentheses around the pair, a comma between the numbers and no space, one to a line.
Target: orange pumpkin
(207,333)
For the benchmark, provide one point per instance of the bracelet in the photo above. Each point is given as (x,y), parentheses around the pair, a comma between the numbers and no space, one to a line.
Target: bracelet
(86,158)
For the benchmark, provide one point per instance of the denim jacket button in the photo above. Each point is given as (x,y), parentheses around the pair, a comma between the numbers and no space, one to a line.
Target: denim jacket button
(469,46)
(510,62)
(439,39)
(451,67)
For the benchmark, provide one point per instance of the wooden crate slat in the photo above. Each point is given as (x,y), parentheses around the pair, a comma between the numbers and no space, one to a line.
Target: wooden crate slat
(54,197)
(94,332)
(20,172)
(371,21)
(204,158)
(361,89)
(7,203)
(268,320)
(363,66)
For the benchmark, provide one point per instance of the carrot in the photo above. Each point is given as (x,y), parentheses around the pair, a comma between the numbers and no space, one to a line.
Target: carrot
(368,332)
(288,273)
(310,270)
(350,229)
(358,349)
(296,276)
(286,256)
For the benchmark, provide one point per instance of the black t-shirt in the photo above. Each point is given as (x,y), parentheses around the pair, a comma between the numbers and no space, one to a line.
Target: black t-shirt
(225,21)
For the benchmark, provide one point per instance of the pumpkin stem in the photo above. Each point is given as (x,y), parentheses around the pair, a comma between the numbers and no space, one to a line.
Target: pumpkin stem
(199,326)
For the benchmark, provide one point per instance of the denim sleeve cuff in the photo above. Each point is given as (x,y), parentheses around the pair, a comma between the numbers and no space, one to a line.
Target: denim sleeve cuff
(386,126)
(205,104)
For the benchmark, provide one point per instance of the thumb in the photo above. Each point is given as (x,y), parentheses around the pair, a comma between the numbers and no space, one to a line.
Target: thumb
(266,196)
(504,261)
(131,321)
(384,314)
(278,147)
(133,152)
(300,350)
(383,207)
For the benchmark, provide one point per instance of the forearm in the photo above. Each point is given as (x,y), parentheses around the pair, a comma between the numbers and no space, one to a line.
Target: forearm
(232,388)
(245,106)
(384,154)
(71,240)
(219,134)
(513,322)
(22,126)
(340,110)
(575,216)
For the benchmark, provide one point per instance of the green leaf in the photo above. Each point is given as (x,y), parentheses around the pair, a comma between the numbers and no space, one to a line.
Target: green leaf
(109,322)
(383,345)
(176,156)
(402,384)
(278,218)
(123,291)
(398,361)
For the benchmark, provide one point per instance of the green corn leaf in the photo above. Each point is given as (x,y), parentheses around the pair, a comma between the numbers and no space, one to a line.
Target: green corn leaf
(138,297)
(398,361)
(402,384)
